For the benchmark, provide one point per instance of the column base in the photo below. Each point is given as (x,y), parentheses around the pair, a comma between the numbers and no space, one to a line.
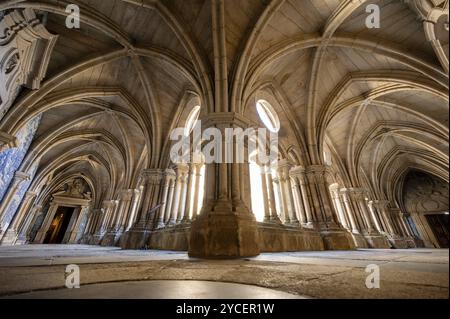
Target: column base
(96,239)
(410,242)
(398,242)
(111,239)
(224,232)
(21,240)
(9,239)
(337,240)
(378,241)
(359,240)
(272,220)
(135,238)
(279,238)
(174,238)
(419,243)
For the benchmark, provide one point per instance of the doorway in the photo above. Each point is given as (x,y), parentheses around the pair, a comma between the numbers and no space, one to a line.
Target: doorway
(59,225)
(439,225)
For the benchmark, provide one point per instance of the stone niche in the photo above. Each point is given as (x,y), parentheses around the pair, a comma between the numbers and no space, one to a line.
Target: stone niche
(25,50)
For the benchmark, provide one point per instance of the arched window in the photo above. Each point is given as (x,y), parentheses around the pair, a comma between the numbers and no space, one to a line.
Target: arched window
(268,116)
(256,189)
(192,119)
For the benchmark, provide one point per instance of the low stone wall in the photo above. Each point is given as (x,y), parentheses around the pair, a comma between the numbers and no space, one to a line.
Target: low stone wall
(279,238)
(171,238)
(272,238)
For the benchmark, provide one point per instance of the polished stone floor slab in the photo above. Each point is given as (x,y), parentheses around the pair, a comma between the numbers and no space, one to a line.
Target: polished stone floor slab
(161,289)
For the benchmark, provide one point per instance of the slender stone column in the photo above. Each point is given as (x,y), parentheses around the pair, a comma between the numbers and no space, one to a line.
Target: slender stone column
(291,201)
(374,214)
(183,194)
(36,210)
(299,173)
(195,208)
(318,217)
(152,179)
(176,200)
(358,214)
(271,196)
(360,197)
(127,196)
(19,178)
(349,209)
(383,207)
(168,209)
(298,200)
(188,214)
(317,175)
(265,194)
(115,216)
(397,215)
(277,185)
(179,188)
(134,207)
(284,197)
(335,196)
(108,215)
(409,231)
(13,230)
(164,199)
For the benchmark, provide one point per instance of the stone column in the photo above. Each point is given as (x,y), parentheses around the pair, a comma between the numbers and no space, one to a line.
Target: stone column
(108,215)
(271,196)
(134,208)
(13,230)
(335,237)
(299,173)
(265,194)
(277,186)
(360,197)
(283,196)
(168,209)
(337,203)
(152,179)
(383,208)
(374,214)
(177,194)
(184,173)
(225,226)
(19,178)
(126,197)
(325,213)
(35,211)
(164,199)
(349,209)
(195,207)
(406,225)
(188,214)
(298,199)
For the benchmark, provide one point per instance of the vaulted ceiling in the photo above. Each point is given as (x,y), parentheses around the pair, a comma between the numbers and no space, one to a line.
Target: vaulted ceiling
(376,98)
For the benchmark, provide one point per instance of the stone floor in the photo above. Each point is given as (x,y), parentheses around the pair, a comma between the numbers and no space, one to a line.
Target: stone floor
(40,269)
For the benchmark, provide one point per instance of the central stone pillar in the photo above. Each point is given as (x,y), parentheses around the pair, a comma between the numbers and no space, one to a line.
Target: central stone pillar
(335,237)
(225,227)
